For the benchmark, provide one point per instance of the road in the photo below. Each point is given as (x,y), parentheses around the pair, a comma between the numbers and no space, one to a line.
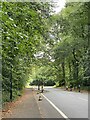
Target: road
(57,103)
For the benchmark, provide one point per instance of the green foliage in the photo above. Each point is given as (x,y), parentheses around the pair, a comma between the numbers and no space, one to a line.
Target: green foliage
(46,83)
(72,48)
(43,47)
(23,29)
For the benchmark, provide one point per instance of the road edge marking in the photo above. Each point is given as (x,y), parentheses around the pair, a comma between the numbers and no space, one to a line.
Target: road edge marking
(83,99)
(61,113)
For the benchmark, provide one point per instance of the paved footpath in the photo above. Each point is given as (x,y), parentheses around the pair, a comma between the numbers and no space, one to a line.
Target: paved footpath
(26,107)
(29,106)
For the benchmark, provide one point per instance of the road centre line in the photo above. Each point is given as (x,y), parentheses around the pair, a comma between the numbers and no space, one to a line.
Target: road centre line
(61,113)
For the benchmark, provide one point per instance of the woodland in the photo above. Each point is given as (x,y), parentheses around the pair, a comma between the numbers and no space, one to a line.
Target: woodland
(41,47)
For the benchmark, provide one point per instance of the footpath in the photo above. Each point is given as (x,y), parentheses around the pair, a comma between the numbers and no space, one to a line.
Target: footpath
(24,107)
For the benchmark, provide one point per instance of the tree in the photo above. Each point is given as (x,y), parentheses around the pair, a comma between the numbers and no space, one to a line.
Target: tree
(72,44)
(23,29)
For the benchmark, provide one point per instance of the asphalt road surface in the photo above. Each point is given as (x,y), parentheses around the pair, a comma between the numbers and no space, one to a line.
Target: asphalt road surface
(54,103)
(57,103)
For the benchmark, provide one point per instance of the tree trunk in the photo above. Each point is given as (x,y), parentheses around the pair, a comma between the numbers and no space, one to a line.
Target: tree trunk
(88,55)
(42,88)
(11,84)
(63,72)
(75,66)
(38,87)
(70,76)
(75,70)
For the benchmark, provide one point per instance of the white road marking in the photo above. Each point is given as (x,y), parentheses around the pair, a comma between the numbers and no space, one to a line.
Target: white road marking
(83,99)
(61,113)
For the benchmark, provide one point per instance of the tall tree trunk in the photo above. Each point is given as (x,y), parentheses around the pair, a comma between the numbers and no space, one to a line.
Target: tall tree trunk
(75,70)
(87,61)
(75,67)
(70,76)
(63,72)
(11,84)
(88,52)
